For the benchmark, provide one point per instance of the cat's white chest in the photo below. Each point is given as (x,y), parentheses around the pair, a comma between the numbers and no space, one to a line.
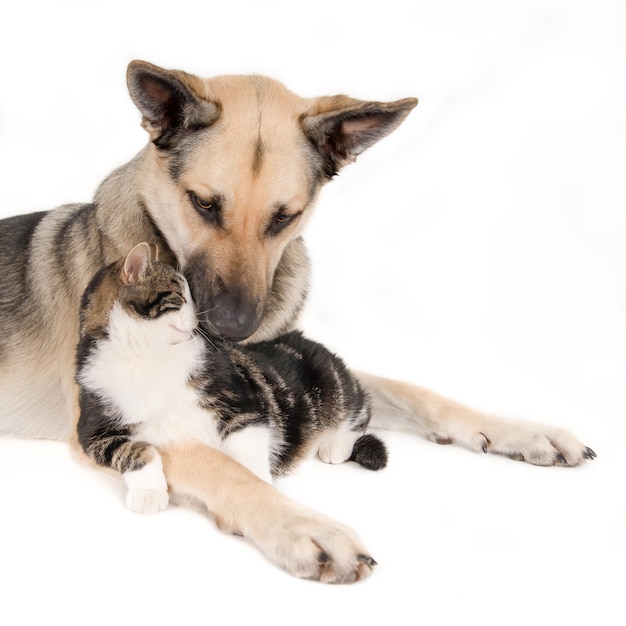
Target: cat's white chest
(140,385)
(147,381)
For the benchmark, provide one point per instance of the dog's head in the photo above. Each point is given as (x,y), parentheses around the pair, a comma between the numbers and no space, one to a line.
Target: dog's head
(232,172)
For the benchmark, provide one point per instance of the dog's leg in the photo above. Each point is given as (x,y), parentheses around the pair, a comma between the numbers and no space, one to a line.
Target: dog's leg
(304,543)
(405,407)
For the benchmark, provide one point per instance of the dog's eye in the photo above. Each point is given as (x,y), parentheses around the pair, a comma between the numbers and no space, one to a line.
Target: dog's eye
(200,203)
(280,221)
(209,209)
(204,205)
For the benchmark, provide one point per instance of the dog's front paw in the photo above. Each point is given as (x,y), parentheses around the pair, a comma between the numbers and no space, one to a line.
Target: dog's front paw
(536,444)
(315,547)
(147,500)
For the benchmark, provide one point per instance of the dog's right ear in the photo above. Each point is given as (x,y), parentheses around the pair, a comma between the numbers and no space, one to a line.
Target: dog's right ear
(168,102)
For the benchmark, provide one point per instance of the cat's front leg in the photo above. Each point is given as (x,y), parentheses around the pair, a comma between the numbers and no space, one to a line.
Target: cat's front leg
(147,487)
(113,446)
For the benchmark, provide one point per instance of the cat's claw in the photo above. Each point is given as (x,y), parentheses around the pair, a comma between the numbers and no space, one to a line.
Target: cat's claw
(147,500)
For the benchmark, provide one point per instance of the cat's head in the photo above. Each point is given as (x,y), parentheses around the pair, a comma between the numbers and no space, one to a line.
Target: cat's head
(141,297)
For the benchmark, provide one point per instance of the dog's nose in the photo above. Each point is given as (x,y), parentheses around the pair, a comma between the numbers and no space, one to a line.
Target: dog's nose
(233,318)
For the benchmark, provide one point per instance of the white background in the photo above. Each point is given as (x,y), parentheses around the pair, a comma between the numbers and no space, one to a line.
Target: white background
(479,250)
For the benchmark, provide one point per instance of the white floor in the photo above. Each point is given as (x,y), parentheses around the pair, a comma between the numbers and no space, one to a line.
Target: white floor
(479,251)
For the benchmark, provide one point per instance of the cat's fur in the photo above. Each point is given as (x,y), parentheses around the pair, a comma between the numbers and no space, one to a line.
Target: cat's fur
(147,376)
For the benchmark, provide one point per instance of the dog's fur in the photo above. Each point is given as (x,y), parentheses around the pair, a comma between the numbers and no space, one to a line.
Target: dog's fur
(224,188)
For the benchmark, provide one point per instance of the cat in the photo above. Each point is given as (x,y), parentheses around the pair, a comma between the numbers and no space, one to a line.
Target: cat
(147,374)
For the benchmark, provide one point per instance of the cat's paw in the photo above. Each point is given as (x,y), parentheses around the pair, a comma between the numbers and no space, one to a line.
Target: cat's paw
(318,548)
(147,487)
(147,500)
(337,447)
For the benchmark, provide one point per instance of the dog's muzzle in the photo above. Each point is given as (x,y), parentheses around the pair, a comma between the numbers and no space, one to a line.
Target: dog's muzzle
(232,316)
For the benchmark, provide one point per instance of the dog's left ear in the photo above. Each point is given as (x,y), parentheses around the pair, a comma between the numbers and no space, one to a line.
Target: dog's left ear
(343,127)
(169,101)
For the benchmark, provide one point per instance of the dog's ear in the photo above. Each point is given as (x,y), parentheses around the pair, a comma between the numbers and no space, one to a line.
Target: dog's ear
(169,102)
(136,264)
(343,127)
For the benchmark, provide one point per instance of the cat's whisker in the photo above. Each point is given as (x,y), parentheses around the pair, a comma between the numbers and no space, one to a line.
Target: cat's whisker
(200,331)
(206,310)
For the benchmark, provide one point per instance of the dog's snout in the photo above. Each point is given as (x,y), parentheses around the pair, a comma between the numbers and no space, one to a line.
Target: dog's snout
(233,317)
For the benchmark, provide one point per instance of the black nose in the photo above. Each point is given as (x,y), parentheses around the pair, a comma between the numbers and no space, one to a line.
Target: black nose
(232,316)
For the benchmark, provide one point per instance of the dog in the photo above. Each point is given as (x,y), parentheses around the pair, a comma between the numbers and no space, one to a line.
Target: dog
(224,188)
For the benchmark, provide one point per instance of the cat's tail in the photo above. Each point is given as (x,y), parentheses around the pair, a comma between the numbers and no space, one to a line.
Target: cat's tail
(370,452)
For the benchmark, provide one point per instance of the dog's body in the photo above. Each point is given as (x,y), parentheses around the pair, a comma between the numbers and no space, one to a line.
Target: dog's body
(224,189)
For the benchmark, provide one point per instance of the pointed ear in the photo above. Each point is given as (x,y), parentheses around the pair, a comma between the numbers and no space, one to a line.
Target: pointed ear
(342,127)
(169,101)
(136,264)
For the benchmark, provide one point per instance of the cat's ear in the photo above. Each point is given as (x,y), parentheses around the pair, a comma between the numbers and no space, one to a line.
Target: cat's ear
(136,264)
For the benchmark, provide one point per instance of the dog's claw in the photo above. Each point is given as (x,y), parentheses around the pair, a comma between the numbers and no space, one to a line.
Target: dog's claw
(589,454)
(368,560)
(323,558)
(328,569)
(365,567)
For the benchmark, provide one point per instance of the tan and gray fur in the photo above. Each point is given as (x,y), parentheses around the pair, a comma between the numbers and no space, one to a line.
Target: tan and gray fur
(224,187)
